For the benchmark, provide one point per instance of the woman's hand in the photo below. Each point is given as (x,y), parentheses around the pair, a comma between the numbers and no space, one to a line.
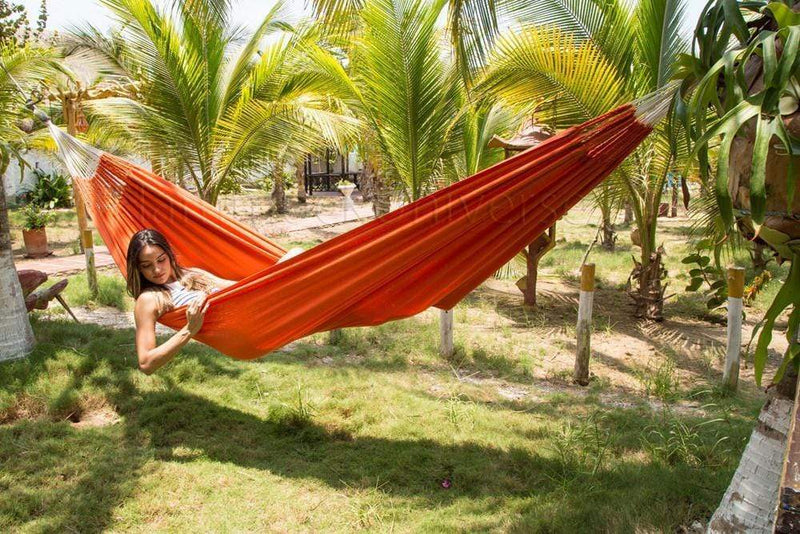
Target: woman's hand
(195,313)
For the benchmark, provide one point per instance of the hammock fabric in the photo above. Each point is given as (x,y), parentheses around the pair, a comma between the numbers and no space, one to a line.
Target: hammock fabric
(431,252)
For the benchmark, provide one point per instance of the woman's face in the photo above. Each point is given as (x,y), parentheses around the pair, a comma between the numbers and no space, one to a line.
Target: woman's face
(154,265)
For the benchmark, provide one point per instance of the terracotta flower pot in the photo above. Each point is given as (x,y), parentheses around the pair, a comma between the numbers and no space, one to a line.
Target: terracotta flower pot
(35,243)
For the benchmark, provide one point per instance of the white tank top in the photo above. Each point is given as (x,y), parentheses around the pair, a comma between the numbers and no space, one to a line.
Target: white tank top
(182,296)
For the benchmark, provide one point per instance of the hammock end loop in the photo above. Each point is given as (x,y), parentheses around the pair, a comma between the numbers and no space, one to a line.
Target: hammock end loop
(651,108)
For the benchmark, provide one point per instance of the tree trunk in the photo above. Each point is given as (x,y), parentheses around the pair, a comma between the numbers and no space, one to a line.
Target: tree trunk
(751,499)
(300,178)
(536,251)
(674,203)
(365,185)
(278,190)
(381,195)
(609,236)
(649,292)
(16,335)
(72,106)
(628,214)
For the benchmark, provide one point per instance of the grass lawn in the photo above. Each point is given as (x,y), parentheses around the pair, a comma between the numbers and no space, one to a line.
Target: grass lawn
(378,432)
(365,434)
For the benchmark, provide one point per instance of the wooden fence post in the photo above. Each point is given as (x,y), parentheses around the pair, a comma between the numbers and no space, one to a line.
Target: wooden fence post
(584,329)
(730,376)
(446,333)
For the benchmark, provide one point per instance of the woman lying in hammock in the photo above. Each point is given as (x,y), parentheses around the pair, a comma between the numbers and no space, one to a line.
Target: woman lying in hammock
(159,284)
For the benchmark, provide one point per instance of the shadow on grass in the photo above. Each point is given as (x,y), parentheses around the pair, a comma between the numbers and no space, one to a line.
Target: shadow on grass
(63,479)
(294,447)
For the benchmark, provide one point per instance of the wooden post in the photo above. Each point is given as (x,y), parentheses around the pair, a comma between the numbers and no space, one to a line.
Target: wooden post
(730,377)
(446,333)
(71,106)
(584,329)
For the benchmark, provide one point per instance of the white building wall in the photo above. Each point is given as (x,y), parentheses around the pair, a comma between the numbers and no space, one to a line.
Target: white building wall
(34,158)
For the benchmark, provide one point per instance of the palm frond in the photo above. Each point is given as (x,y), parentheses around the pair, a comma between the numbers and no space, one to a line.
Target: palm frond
(407,91)
(545,70)
(657,26)
(472,27)
(606,23)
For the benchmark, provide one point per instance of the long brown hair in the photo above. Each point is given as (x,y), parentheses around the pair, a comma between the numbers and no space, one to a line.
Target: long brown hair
(138,284)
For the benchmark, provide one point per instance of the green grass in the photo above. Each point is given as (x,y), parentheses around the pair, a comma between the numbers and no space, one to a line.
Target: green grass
(111,291)
(360,435)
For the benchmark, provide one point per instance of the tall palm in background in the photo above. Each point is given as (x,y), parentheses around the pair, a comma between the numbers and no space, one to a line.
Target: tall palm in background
(410,81)
(584,58)
(407,93)
(215,106)
(25,66)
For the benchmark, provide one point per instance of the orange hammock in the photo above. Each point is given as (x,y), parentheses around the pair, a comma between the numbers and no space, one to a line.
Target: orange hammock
(431,252)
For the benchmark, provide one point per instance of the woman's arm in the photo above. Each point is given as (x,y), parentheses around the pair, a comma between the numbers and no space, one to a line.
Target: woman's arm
(152,357)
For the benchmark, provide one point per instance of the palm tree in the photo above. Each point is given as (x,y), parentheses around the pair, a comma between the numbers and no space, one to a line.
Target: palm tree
(24,66)
(584,58)
(744,100)
(406,91)
(211,106)
(607,199)
(411,82)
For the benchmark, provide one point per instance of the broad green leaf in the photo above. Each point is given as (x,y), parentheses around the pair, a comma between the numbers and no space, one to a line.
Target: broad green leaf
(758,194)
(788,295)
(783,14)
(695,284)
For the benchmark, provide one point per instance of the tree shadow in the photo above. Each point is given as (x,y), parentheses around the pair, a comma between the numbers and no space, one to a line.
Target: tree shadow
(59,479)
(64,479)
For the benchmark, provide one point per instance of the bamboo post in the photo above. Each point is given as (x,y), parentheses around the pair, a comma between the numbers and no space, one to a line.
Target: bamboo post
(584,330)
(71,105)
(446,333)
(730,376)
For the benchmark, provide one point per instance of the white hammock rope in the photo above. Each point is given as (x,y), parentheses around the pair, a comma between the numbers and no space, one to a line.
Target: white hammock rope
(80,159)
(651,108)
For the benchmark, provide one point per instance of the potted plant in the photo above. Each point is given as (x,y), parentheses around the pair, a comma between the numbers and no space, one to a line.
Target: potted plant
(34,233)
(346,187)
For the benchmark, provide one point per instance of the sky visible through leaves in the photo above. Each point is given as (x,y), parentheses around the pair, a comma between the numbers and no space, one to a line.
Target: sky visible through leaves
(63,14)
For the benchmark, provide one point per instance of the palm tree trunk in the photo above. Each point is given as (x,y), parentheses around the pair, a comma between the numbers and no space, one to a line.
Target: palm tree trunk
(365,185)
(751,499)
(628,214)
(381,195)
(536,251)
(674,202)
(609,236)
(278,189)
(648,294)
(16,335)
(300,178)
